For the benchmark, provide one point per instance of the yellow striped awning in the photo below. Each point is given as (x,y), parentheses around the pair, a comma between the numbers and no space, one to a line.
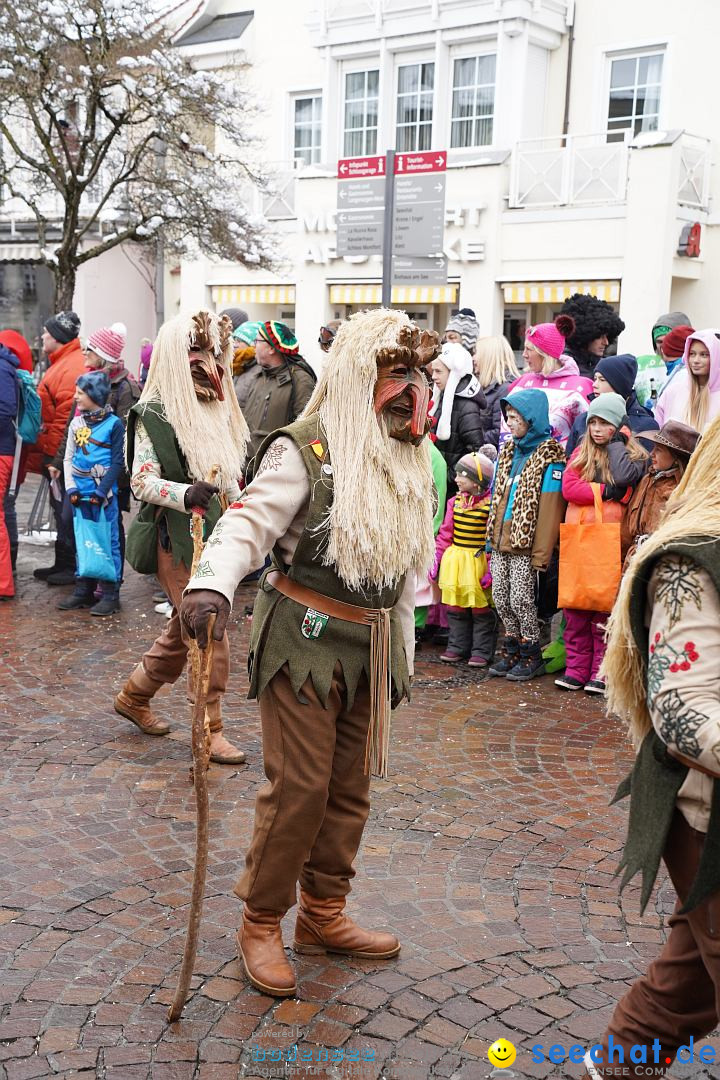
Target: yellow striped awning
(554,292)
(401,294)
(225,295)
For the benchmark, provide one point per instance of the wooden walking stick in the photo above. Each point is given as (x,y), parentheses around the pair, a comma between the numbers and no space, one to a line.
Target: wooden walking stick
(201,665)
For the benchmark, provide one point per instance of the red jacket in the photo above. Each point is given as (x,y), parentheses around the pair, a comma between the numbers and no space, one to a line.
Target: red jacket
(57,393)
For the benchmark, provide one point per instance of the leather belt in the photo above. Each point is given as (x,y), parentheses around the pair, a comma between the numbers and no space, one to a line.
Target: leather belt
(336,609)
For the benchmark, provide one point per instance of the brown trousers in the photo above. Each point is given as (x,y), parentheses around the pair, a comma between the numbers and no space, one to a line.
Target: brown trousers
(310,815)
(166,658)
(680,995)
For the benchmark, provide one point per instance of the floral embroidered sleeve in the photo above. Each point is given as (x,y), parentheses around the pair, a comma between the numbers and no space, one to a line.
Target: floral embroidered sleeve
(684,660)
(147,482)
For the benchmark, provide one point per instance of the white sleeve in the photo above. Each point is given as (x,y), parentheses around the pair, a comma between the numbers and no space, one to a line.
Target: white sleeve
(147,481)
(683,685)
(405,609)
(67,460)
(247,531)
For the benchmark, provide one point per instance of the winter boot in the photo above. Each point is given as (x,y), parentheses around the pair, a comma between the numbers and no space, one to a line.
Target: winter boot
(133,702)
(109,601)
(261,951)
(505,658)
(323,927)
(530,663)
(81,597)
(222,751)
(61,577)
(13,557)
(43,572)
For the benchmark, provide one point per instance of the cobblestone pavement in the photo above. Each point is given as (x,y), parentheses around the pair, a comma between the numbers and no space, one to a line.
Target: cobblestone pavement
(490,851)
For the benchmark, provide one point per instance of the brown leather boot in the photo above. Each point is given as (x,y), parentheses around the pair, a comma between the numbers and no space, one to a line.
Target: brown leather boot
(222,750)
(133,703)
(260,947)
(323,927)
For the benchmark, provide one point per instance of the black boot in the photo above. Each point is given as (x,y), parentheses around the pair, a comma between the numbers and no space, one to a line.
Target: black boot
(506,657)
(529,665)
(13,557)
(77,599)
(108,604)
(43,572)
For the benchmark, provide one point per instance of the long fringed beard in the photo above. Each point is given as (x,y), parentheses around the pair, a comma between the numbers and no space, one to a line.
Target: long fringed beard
(209,433)
(380,524)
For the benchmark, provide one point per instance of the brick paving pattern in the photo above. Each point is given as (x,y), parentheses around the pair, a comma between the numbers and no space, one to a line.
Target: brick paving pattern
(490,851)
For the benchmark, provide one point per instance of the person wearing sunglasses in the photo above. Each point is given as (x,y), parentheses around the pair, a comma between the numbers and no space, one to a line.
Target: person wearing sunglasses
(327,334)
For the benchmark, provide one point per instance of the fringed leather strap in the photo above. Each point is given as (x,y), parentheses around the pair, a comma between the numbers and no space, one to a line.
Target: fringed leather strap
(377,748)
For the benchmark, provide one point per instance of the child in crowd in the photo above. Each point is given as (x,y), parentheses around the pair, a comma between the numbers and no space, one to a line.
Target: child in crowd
(673,445)
(615,460)
(461,565)
(94,459)
(523,527)
(616,375)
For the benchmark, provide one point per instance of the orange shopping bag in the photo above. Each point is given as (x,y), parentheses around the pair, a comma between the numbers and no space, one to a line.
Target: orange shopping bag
(590,562)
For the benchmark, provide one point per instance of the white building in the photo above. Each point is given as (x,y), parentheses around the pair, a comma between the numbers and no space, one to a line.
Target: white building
(580,139)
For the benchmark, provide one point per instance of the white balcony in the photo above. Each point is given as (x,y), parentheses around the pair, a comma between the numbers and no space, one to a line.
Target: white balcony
(568,170)
(694,181)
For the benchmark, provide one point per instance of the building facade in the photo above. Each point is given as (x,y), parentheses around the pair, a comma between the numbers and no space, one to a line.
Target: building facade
(580,145)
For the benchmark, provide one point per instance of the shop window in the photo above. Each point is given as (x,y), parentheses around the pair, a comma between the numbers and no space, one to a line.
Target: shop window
(634,102)
(307,129)
(416,88)
(361,113)
(473,101)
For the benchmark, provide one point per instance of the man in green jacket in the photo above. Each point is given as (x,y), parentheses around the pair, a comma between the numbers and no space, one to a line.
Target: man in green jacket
(282,383)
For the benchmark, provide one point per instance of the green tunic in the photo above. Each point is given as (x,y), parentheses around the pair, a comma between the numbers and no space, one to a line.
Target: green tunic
(141,548)
(277,636)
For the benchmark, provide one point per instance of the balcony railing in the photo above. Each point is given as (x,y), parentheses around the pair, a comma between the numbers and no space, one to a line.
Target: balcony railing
(694,181)
(568,170)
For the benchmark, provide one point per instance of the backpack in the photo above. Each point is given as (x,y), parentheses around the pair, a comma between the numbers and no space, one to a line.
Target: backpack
(29,416)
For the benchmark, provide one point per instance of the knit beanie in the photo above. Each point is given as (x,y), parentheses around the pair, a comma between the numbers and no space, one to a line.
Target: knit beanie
(667,322)
(549,337)
(466,325)
(620,371)
(108,342)
(236,315)
(459,363)
(610,407)
(64,327)
(673,345)
(478,466)
(280,337)
(247,332)
(146,354)
(96,385)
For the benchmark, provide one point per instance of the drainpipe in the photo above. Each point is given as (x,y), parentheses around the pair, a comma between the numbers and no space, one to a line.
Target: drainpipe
(570,23)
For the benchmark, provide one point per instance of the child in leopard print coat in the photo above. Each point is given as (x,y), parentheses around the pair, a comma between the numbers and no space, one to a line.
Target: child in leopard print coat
(523,528)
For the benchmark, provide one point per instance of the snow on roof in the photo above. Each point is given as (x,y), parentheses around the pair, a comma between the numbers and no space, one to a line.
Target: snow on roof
(221,28)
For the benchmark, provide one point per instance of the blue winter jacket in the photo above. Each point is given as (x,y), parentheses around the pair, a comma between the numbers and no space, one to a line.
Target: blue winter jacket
(9,400)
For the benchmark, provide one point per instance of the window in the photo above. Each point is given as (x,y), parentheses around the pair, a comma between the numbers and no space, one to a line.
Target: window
(416,83)
(361,113)
(634,103)
(473,101)
(308,129)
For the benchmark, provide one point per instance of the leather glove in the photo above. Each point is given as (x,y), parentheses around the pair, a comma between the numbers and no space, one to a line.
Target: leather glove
(614,492)
(195,611)
(198,496)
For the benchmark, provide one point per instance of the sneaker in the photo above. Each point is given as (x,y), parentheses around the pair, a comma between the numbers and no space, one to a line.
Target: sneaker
(595,686)
(451,657)
(159,597)
(568,682)
(107,606)
(165,609)
(477,662)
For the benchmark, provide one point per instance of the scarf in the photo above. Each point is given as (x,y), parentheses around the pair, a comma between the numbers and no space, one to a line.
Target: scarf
(527,496)
(94,416)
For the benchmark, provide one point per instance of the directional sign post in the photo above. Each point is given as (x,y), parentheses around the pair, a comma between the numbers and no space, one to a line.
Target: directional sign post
(419,221)
(360,205)
(394,205)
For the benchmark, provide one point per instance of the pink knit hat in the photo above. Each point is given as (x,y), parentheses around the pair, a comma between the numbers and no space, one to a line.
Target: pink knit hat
(108,342)
(549,337)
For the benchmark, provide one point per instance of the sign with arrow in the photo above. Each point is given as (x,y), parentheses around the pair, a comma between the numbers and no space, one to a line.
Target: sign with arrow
(360,205)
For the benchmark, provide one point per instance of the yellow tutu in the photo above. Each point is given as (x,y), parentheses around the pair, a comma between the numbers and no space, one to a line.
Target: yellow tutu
(461,572)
